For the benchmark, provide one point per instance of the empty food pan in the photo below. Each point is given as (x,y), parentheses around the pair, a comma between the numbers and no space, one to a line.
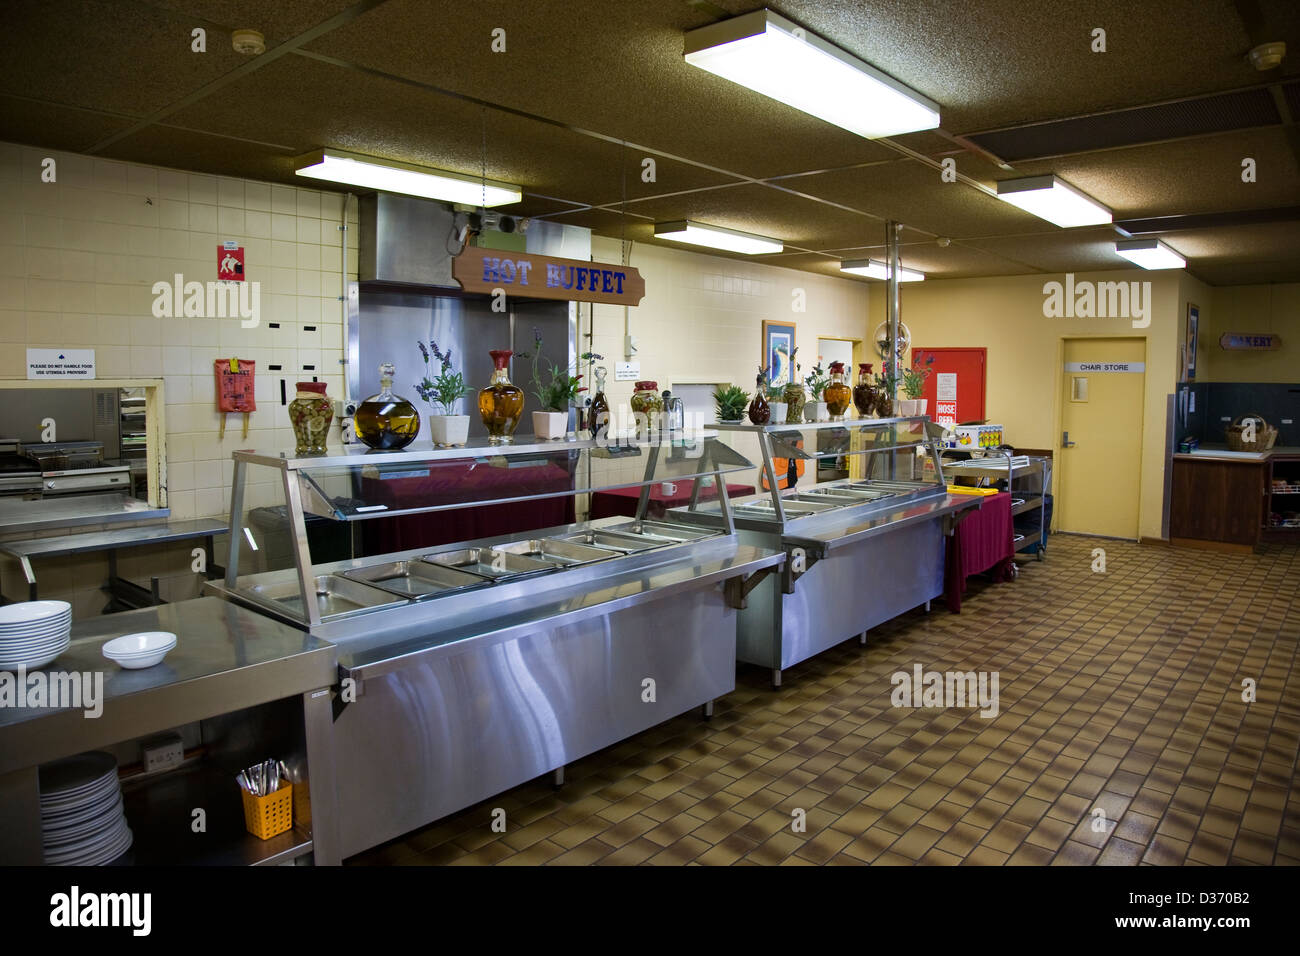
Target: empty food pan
(416,579)
(335,596)
(624,543)
(557,551)
(486,563)
(664,529)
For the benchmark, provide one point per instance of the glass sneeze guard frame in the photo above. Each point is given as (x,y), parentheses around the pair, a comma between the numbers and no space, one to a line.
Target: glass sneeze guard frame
(928,435)
(303,478)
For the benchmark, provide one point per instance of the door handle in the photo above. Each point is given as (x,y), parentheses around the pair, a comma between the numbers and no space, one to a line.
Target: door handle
(1065,440)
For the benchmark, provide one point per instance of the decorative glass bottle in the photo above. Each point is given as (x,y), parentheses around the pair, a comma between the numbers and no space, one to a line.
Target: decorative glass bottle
(598,413)
(385,420)
(760,412)
(864,393)
(310,414)
(501,403)
(885,386)
(794,399)
(837,394)
(647,407)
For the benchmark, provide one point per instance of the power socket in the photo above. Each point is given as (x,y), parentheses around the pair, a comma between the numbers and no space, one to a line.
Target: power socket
(163,752)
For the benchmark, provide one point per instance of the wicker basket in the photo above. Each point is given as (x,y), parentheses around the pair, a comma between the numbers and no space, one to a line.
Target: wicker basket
(1265,434)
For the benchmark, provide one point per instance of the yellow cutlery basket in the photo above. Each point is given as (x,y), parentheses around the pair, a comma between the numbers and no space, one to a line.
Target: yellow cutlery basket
(270,815)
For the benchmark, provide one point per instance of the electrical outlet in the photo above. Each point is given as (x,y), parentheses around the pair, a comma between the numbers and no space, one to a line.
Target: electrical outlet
(164,752)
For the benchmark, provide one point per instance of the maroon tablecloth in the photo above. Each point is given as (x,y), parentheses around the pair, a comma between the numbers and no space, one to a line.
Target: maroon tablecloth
(453,482)
(982,541)
(623,501)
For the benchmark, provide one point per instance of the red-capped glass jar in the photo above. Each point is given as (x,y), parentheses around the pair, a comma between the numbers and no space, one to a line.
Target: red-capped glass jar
(837,395)
(647,401)
(310,414)
(864,393)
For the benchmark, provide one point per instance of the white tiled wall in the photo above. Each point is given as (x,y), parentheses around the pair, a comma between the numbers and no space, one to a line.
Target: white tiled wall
(78,260)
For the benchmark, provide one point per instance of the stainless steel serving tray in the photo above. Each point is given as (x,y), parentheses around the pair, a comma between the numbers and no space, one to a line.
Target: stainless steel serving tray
(486,563)
(662,529)
(336,596)
(849,494)
(416,579)
(623,543)
(557,551)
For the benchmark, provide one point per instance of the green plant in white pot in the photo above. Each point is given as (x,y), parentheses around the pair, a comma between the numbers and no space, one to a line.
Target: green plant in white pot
(816,381)
(443,391)
(555,390)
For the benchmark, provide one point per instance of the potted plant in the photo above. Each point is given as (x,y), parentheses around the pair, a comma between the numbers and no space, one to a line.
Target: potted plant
(886,388)
(816,380)
(731,401)
(443,391)
(913,385)
(555,390)
(776,402)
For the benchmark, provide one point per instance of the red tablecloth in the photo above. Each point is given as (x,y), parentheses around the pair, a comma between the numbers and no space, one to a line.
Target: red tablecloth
(981,542)
(623,501)
(452,482)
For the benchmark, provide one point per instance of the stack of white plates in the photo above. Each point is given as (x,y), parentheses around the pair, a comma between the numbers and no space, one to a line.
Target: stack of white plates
(33,633)
(82,823)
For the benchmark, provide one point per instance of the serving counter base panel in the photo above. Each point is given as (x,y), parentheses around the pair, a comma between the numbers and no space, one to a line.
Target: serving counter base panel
(830,603)
(440,735)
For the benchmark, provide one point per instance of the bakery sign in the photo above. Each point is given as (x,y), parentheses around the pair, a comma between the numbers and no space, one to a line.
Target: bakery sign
(546,277)
(1249,341)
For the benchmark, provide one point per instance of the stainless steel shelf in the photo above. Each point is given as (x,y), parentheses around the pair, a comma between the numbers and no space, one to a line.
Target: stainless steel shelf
(421,452)
(160,811)
(847,423)
(1029,504)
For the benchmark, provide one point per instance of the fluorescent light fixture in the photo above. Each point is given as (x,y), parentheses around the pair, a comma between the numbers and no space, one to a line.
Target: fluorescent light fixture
(773,56)
(875,269)
(1052,198)
(1150,254)
(716,237)
(390,176)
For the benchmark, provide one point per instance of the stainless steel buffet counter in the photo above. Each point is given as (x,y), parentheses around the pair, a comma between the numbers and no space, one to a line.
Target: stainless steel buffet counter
(468,669)
(859,551)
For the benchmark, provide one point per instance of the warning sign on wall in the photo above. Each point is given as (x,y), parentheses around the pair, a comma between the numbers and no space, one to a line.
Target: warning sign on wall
(230,262)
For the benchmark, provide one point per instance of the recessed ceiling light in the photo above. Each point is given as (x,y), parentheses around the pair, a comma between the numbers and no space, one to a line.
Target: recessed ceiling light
(1052,198)
(1150,254)
(390,176)
(773,56)
(874,269)
(716,237)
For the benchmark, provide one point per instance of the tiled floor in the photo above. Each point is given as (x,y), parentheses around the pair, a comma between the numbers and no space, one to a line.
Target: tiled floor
(1120,692)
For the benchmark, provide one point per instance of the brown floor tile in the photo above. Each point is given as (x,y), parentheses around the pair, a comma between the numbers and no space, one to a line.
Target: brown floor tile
(1121,853)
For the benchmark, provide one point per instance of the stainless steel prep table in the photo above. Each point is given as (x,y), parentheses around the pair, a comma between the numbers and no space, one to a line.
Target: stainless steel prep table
(860,550)
(226,659)
(26,550)
(449,696)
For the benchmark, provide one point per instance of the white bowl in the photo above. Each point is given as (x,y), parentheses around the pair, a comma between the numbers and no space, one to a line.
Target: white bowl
(140,650)
(30,612)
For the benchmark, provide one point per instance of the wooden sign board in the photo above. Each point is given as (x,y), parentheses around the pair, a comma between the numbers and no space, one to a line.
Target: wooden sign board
(1249,341)
(546,277)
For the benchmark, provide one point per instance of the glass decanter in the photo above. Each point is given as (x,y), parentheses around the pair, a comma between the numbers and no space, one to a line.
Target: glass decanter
(385,420)
(864,393)
(501,403)
(837,394)
(598,413)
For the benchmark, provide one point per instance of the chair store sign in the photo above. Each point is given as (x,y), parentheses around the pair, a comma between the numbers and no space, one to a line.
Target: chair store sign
(497,271)
(1249,341)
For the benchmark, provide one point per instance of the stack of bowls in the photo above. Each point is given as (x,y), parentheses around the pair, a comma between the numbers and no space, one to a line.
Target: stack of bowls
(33,633)
(82,823)
(139,650)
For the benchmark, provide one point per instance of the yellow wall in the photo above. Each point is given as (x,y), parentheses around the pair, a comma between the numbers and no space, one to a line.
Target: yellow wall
(1005,316)
(1253,308)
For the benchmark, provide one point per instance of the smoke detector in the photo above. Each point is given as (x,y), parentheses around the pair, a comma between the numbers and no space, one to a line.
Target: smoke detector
(248,42)
(944,242)
(1267,56)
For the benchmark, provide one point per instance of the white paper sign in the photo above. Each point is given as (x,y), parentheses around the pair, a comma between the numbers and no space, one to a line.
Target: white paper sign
(945,387)
(1105,366)
(627,371)
(60,363)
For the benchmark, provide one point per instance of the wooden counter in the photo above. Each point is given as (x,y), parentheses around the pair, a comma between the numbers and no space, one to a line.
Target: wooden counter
(1221,499)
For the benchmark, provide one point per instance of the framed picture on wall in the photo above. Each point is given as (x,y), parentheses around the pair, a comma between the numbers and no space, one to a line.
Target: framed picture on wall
(1193,324)
(778,347)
